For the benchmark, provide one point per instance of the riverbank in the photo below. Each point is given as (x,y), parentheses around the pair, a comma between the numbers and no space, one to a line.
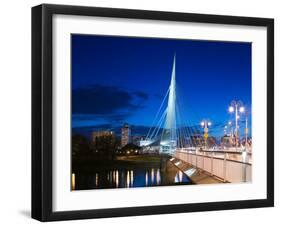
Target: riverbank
(196,175)
(124,162)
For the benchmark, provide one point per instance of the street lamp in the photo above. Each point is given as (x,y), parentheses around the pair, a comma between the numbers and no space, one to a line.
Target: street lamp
(231,109)
(242,109)
(236,106)
(206,124)
(225,132)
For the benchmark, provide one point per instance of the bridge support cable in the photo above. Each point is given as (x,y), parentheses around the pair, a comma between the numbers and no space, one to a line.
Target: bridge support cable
(182,135)
(185,127)
(176,130)
(157,114)
(158,125)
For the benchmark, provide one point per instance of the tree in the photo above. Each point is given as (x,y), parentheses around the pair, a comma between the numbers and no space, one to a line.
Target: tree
(130,149)
(105,146)
(80,146)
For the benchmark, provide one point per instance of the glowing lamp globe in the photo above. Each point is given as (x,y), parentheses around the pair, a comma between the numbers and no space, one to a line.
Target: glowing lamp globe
(231,109)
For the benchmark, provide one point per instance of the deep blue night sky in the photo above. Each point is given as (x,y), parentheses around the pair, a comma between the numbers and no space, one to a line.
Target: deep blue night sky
(122,79)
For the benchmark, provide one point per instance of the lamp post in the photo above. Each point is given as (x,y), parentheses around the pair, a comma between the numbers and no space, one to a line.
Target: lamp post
(206,124)
(246,133)
(235,107)
(245,152)
(230,128)
(231,131)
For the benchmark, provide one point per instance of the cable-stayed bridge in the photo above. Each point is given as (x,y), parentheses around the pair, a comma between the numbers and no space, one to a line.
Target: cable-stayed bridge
(168,131)
(170,135)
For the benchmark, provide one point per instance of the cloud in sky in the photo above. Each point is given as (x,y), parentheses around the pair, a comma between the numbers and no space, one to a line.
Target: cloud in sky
(87,130)
(105,103)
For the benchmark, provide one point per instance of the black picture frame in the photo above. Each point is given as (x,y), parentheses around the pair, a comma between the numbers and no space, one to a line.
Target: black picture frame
(42,111)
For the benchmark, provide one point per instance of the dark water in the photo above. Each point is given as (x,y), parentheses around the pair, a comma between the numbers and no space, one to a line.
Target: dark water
(125,178)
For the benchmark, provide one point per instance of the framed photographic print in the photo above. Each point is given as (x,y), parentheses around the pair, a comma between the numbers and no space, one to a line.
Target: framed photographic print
(145,112)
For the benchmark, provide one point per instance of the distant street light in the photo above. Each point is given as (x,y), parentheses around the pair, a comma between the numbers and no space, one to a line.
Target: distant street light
(236,106)
(225,128)
(206,124)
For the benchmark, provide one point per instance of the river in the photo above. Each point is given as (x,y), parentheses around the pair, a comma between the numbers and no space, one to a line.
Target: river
(137,173)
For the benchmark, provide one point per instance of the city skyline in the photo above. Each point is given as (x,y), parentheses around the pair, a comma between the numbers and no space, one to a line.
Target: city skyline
(117,80)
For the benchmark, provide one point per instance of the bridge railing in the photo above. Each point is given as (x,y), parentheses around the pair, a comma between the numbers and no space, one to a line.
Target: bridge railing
(229,166)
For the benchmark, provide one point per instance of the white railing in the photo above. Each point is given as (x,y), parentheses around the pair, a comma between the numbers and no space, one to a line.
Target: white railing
(227,165)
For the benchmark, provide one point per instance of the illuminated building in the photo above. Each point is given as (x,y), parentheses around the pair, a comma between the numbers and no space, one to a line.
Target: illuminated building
(125,135)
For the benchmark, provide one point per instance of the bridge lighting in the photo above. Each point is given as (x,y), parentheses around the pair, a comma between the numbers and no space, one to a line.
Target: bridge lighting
(231,109)
(236,106)
(225,128)
(242,109)
(206,124)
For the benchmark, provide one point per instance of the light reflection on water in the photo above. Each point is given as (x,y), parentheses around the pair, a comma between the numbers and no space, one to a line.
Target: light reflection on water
(73,181)
(124,178)
(146,178)
(97,179)
(179,177)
